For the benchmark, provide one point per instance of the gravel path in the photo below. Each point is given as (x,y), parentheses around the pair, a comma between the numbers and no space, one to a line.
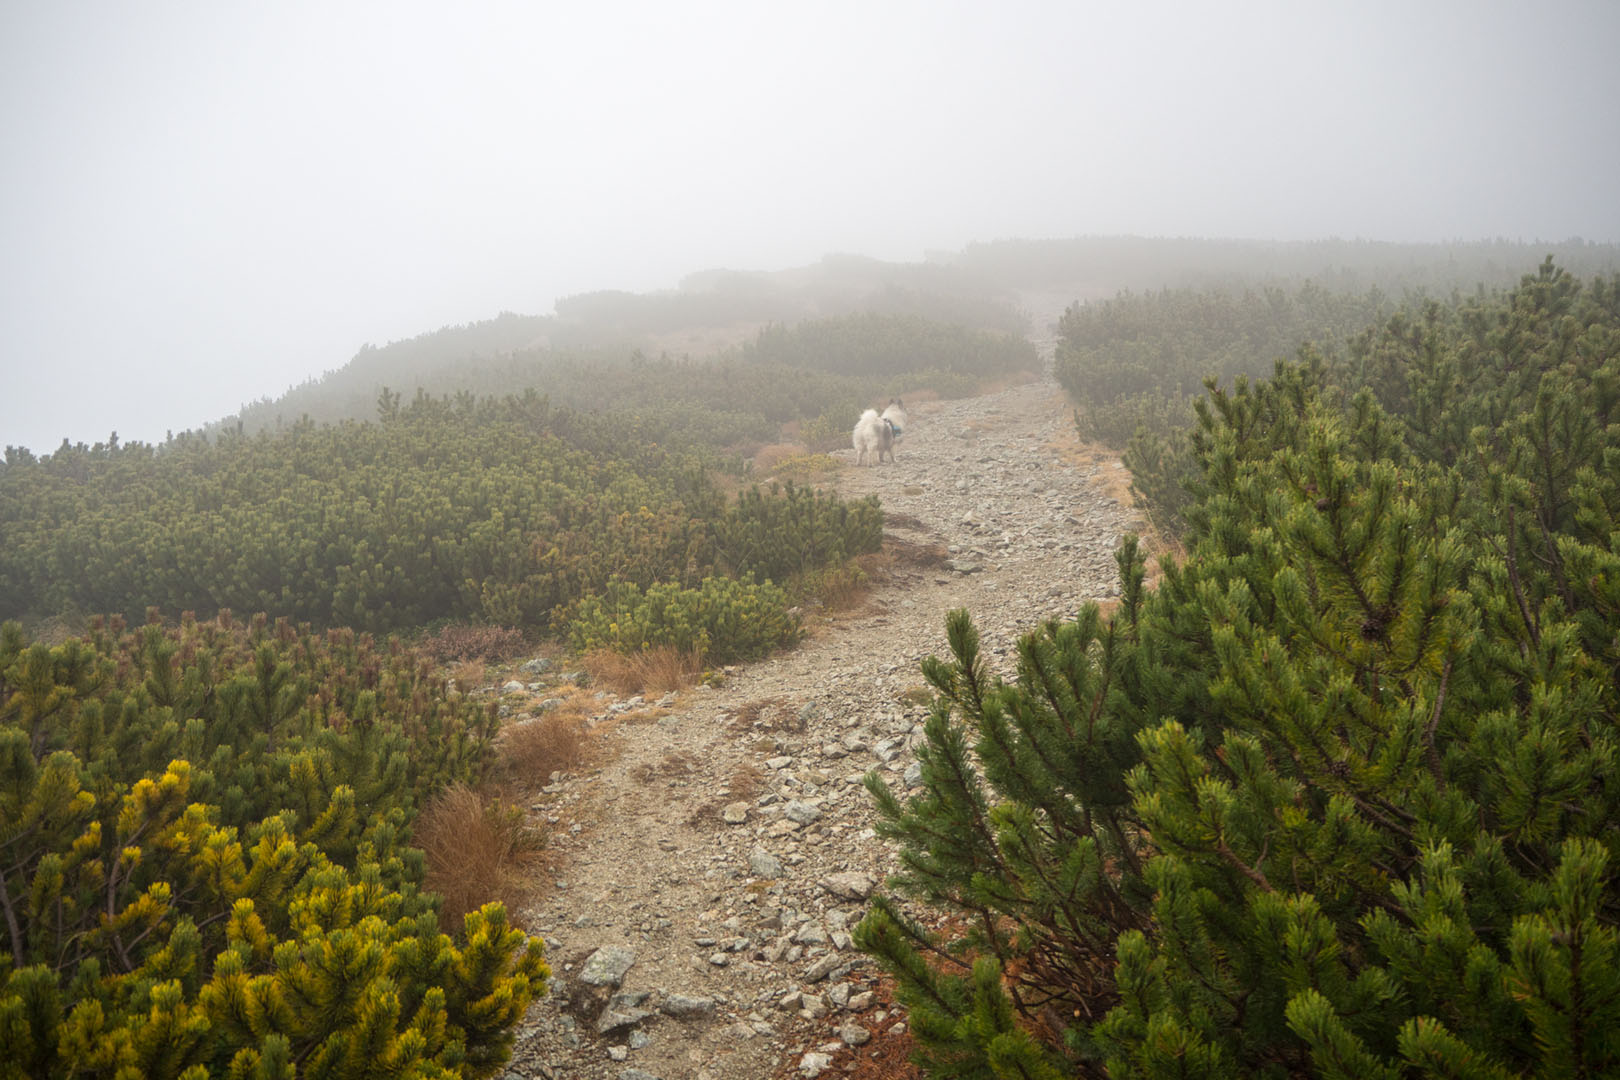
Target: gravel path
(697,921)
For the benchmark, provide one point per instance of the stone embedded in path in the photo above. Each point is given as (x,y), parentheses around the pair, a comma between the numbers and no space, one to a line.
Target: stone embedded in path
(813,1065)
(849,885)
(613,1020)
(802,812)
(823,967)
(607,965)
(686,1007)
(763,863)
(854,1034)
(735,813)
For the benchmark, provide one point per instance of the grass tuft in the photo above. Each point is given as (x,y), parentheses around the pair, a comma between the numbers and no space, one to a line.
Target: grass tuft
(654,670)
(475,851)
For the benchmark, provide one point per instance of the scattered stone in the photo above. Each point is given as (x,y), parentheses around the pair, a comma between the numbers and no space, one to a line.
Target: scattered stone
(854,1034)
(538,666)
(849,885)
(684,1007)
(810,934)
(823,967)
(764,864)
(802,812)
(814,1064)
(606,966)
(735,813)
(860,1002)
(613,1020)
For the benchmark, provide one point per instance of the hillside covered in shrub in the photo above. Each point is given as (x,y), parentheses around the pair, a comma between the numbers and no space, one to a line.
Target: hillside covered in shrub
(1338,798)
(205,866)
(501,511)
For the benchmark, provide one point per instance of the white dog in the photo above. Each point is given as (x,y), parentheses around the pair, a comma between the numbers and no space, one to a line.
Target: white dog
(895,414)
(873,434)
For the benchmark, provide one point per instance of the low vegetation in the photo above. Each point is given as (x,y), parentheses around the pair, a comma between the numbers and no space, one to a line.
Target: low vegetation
(1337,797)
(206,860)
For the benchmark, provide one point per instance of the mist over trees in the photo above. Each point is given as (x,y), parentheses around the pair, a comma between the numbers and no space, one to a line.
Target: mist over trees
(1334,797)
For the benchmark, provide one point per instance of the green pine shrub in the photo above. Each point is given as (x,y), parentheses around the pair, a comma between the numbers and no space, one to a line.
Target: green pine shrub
(205,865)
(723,619)
(1337,798)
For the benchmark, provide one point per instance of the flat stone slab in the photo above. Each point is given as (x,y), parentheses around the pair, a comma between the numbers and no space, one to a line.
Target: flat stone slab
(606,966)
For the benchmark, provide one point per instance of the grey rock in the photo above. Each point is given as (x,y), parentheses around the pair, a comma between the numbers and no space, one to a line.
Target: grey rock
(538,666)
(735,813)
(854,1034)
(687,1007)
(823,967)
(639,1039)
(513,687)
(636,1074)
(810,934)
(814,1064)
(606,966)
(802,812)
(890,748)
(613,1020)
(849,885)
(860,1002)
(763,863)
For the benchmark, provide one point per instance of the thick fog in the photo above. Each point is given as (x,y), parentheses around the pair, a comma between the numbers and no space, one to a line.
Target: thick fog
(202,204)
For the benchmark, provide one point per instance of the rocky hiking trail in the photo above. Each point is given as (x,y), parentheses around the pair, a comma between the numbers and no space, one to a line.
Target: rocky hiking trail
(699,898)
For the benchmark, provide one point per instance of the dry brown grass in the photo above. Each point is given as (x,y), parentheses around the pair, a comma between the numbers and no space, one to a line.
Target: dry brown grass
(676,765)
(477,850)
(768,713)
(468,675)
(744,786)
(919,555)
(531,750)
(655,670)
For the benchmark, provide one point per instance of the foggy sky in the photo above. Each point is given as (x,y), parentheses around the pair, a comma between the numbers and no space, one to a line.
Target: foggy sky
(204,203)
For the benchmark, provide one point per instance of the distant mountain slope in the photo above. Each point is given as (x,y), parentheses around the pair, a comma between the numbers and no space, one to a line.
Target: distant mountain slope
(715,312)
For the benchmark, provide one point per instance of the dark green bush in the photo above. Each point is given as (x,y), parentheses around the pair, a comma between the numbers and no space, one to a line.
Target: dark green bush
(724,619)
